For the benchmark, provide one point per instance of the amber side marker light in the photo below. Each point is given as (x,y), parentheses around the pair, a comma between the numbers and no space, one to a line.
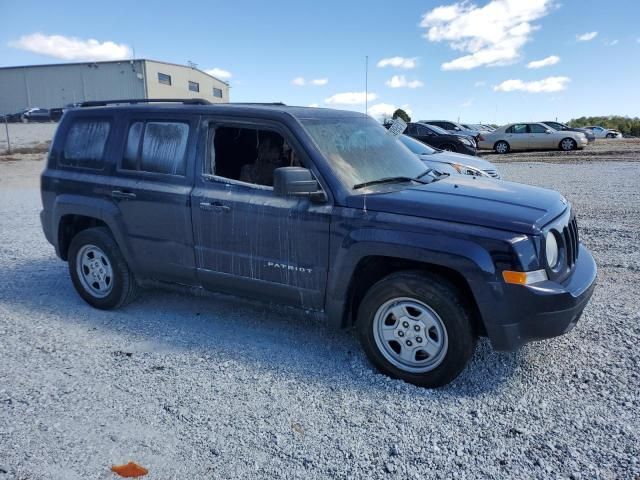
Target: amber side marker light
(524,278)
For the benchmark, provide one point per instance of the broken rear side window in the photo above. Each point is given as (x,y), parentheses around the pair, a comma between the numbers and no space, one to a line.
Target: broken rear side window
(85,144)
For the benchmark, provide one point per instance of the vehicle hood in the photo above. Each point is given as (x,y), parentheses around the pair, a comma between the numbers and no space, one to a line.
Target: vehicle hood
(473,200)
(452,157)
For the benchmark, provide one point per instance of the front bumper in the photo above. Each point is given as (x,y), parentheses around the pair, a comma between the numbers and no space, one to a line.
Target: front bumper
(542,310)
(467,150)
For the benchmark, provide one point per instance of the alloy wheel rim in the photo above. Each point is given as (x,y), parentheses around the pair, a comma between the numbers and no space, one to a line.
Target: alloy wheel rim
(410,335)
(567,144)
(94,271)
(501,147)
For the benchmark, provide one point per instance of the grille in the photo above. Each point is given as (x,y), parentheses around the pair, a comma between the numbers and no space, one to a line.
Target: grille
(571,241)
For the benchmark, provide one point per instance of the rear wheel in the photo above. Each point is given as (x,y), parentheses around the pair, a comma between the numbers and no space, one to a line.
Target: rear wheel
(568,144)
(502,147)
(610,135)
(414,326)
(98,270)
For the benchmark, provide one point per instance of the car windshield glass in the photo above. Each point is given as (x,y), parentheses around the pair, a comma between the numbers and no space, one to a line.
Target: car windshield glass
(415,146)
(360,150)
(439,130)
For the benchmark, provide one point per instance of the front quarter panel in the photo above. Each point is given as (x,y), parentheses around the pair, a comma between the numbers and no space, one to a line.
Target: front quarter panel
(476,253)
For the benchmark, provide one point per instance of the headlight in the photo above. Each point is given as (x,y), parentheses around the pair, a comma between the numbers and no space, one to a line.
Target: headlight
(466,141)
(551,249)
(467,170)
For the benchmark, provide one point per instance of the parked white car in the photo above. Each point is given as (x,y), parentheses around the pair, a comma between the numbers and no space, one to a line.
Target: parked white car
(450,162)
(531,136)
(601,132)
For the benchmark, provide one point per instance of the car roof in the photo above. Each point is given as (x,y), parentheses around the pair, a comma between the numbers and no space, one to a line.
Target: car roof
(246,109)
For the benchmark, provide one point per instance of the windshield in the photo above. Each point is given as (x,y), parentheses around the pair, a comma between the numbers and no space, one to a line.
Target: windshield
(360,150)
(415,146)
(437,129)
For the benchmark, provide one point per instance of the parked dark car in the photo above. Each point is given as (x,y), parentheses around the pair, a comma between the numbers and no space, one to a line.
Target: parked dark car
(14,117)
(318,209)
(36,115)
(55,114)
(453,127)
(562,127)
(441,139)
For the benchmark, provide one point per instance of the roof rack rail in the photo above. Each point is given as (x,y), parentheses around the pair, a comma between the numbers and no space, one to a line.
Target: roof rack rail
(133,101)
(259,103)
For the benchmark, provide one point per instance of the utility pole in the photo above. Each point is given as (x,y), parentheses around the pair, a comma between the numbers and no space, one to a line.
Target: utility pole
(6,126)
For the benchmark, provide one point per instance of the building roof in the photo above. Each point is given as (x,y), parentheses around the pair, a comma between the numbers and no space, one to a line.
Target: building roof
(124,60)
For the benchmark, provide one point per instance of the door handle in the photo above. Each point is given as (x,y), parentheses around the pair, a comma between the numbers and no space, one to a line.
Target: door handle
(123,195)
(216,207)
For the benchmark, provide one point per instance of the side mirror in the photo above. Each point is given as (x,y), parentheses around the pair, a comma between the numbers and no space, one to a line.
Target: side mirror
(547,131)
(297,181)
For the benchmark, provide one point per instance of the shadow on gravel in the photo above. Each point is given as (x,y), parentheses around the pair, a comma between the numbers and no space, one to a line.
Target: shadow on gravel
(262,337)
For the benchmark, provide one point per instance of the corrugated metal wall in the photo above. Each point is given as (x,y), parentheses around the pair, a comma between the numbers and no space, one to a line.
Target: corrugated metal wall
(57,85)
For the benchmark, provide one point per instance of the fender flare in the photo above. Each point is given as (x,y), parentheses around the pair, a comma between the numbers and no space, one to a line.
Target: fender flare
(101,209)
(469,259)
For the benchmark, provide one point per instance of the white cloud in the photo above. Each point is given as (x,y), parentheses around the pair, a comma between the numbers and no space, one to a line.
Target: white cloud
(585,37)
(549,84)
(398,62)
(480,83)
(301,81)
(611,43)
(314,105)
(350,98)
(219,73)
(385,110)
(399,81)
(72,48)
(468,103)
(545,62)
(491,35)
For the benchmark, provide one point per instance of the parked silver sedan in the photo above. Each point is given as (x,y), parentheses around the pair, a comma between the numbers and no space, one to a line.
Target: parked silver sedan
(530,136)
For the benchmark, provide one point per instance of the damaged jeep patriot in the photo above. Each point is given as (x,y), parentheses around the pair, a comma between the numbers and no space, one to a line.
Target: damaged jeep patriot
(318,209)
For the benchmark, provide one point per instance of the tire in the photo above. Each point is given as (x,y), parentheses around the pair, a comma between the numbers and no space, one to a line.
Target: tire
(94,251)
(567,144)
(448,147)
(502,147)
(442,315)
(610,135)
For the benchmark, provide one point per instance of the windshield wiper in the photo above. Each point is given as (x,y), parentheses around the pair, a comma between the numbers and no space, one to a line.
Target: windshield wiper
(392,180)
(426,172)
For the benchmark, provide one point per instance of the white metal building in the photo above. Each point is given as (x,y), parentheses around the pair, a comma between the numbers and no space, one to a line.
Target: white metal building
(56,85)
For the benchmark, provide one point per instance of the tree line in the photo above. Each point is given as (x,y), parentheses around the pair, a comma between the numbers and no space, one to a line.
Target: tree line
(625,125)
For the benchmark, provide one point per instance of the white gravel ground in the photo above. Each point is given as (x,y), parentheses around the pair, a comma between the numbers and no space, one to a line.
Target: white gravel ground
(202,388)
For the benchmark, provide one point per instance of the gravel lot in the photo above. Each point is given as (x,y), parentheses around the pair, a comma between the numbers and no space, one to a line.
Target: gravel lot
(213,387)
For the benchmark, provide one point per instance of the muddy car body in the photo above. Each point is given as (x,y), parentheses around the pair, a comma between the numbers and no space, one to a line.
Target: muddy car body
(318,209)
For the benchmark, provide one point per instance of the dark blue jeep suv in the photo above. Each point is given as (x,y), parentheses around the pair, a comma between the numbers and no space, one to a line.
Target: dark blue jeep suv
(315,208)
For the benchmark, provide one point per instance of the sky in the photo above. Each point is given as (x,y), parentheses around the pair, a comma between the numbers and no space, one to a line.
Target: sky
(491,61)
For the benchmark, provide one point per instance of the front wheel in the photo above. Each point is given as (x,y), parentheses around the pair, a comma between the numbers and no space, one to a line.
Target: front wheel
(447,147)
(610,135)
(568,144)
(98,270)
(414,326)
